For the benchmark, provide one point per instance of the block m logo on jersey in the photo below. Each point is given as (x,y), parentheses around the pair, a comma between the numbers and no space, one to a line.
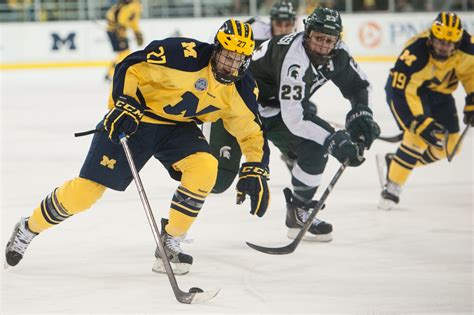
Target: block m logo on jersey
(108,162)
(188,106)
(68,41)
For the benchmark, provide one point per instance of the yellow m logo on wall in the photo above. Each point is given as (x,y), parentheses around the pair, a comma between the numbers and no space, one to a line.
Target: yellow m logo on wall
(106,161)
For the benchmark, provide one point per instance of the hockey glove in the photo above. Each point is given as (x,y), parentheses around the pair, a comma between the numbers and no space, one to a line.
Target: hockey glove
(310,109)
(253,179)
(123,118)
(361,125)
(469,110)
(429,130)
(340,145)
(139,38)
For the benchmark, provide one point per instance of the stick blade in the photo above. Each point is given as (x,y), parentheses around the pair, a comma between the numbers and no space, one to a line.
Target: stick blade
(285,250)
(201,297)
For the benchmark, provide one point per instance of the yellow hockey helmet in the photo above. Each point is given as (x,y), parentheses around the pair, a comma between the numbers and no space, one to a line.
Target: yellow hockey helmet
(236,36)
(447,26)
(233,48)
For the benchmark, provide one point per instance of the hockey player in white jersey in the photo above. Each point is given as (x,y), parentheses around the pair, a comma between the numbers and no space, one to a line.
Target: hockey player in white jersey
(282,22)
(289,70)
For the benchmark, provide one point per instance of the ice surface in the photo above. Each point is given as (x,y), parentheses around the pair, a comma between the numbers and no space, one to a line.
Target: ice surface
(414,259)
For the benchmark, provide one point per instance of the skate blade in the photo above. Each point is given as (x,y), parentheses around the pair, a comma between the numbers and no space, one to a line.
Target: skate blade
(178,268)
(386,204)
(323,238)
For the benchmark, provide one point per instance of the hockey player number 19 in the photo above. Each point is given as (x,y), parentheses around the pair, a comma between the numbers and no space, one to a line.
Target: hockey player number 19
(399,80)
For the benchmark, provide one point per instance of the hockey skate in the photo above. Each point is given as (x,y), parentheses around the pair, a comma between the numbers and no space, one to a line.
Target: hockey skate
(296,216)
(390,191)
(390,196)
(180,262)
(19,241)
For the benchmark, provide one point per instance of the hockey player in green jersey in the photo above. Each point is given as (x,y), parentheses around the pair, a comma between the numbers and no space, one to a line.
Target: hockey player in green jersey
(289,70)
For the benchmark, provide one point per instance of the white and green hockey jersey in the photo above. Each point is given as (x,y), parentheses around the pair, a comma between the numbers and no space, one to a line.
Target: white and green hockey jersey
(287,79)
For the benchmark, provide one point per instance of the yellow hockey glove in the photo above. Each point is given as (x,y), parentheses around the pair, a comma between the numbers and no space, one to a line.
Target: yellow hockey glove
(469,110)
(429,130)
(123,118)
(253,179)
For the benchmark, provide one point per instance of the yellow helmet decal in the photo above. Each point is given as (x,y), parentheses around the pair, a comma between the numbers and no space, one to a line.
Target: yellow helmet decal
(447,26)
(236,36)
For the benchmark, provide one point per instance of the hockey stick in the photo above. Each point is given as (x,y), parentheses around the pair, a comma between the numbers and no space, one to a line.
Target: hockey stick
(392,139)
(288,249)
(88,132)
(380,161)
(458,144)
(195,295)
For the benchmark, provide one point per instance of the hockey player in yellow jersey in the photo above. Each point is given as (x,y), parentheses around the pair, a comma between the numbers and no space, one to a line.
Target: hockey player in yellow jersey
(121,17)
(419,91)
(158,95)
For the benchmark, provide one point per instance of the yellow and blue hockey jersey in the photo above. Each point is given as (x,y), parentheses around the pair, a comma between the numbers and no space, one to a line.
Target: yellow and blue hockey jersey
(174,82)
(417,72)
(122,16)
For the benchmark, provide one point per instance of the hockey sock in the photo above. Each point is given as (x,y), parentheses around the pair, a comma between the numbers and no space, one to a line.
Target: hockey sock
(304,183)
(301,192)
(402,164)
(184,209)
(427,157)
(72,197)
(199,172)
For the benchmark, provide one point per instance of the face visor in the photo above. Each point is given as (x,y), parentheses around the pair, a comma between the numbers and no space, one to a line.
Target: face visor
(228,66)
(320,46)
(441,49)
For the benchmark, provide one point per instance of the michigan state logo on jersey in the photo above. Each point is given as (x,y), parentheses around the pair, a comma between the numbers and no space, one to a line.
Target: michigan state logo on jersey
(293,71)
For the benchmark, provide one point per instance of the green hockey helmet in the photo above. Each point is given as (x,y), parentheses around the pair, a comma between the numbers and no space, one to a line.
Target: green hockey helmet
(283,11)
(323,21)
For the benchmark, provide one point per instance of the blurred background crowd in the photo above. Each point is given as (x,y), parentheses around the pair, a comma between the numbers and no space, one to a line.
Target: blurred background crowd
(60,10)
